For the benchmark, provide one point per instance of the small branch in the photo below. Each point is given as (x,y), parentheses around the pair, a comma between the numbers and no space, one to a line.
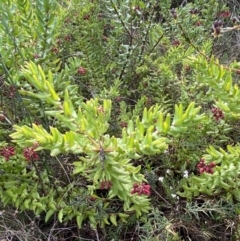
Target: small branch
(64,170)
(130,43)
(40,178)
(169,204)
(201,53)
(97,236)
(119,17)
(127,57)
(146,35)
(46,166)
(19,97)
(51,231)
(237,227)
(156,44)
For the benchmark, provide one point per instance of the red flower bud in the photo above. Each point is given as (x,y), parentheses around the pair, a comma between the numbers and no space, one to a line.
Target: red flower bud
(217,113)
(86,17)
(141,189)
(105,185)
(82,71)
(30,154)
(203,167)
(123,124)
(7,152)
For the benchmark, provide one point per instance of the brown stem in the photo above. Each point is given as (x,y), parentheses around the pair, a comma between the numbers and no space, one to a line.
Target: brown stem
(40,178)
(119,17)
(146,35)
(201,53)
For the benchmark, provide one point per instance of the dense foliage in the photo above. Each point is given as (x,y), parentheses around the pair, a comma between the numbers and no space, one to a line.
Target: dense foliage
(119,120)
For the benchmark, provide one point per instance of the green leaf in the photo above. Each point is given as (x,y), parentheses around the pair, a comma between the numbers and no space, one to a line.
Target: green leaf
(49,215)
(123,217)
(60,216)
(80,167)
(56,151)
(79,219)
(113,219)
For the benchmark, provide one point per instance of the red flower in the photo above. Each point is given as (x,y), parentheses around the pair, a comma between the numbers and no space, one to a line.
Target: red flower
(224,14)
(59,41)
(100,15)
(92,198)
(194,11)
(105,185)
(203,167)
(30,154)
(67,38)
(67,20)
(217,114)
(36,56)
(118,98)
(12,90)
(136,8)
(86,17)
(7,152)
(54,50)
(176,42)
(141,189)
(173,12)
(2,117)
(198,23)
(123,124)
(82,70)
(104,38)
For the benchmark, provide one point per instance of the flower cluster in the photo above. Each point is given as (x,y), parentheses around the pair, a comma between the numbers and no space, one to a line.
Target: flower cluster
(30,154)
(217,114)
(185,174)
(203,167)
(176,42)
(174,13)
(194,11)
(9,91)
(86,17)
(118,99)
(137,8)
(216,27)
(123,124)
(224,14)
(12,91)
(160,179)
(54,50)
(82,71)
(67,38)
(105,185)
(175,196)
(2,117)
(141,189)
(7,152)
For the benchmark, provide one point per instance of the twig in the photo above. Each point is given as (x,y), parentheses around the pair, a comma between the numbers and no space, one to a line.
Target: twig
(119,17)
(130,43)
(97,236)
(204,55)
(169,204)
(63,170)
(19,97)
(40,178)
(51,231)
(146,35)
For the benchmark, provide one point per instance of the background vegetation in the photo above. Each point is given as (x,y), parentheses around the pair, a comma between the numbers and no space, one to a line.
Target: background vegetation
(119,120)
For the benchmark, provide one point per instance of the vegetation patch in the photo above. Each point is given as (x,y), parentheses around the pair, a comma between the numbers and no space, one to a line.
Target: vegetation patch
(119,120)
